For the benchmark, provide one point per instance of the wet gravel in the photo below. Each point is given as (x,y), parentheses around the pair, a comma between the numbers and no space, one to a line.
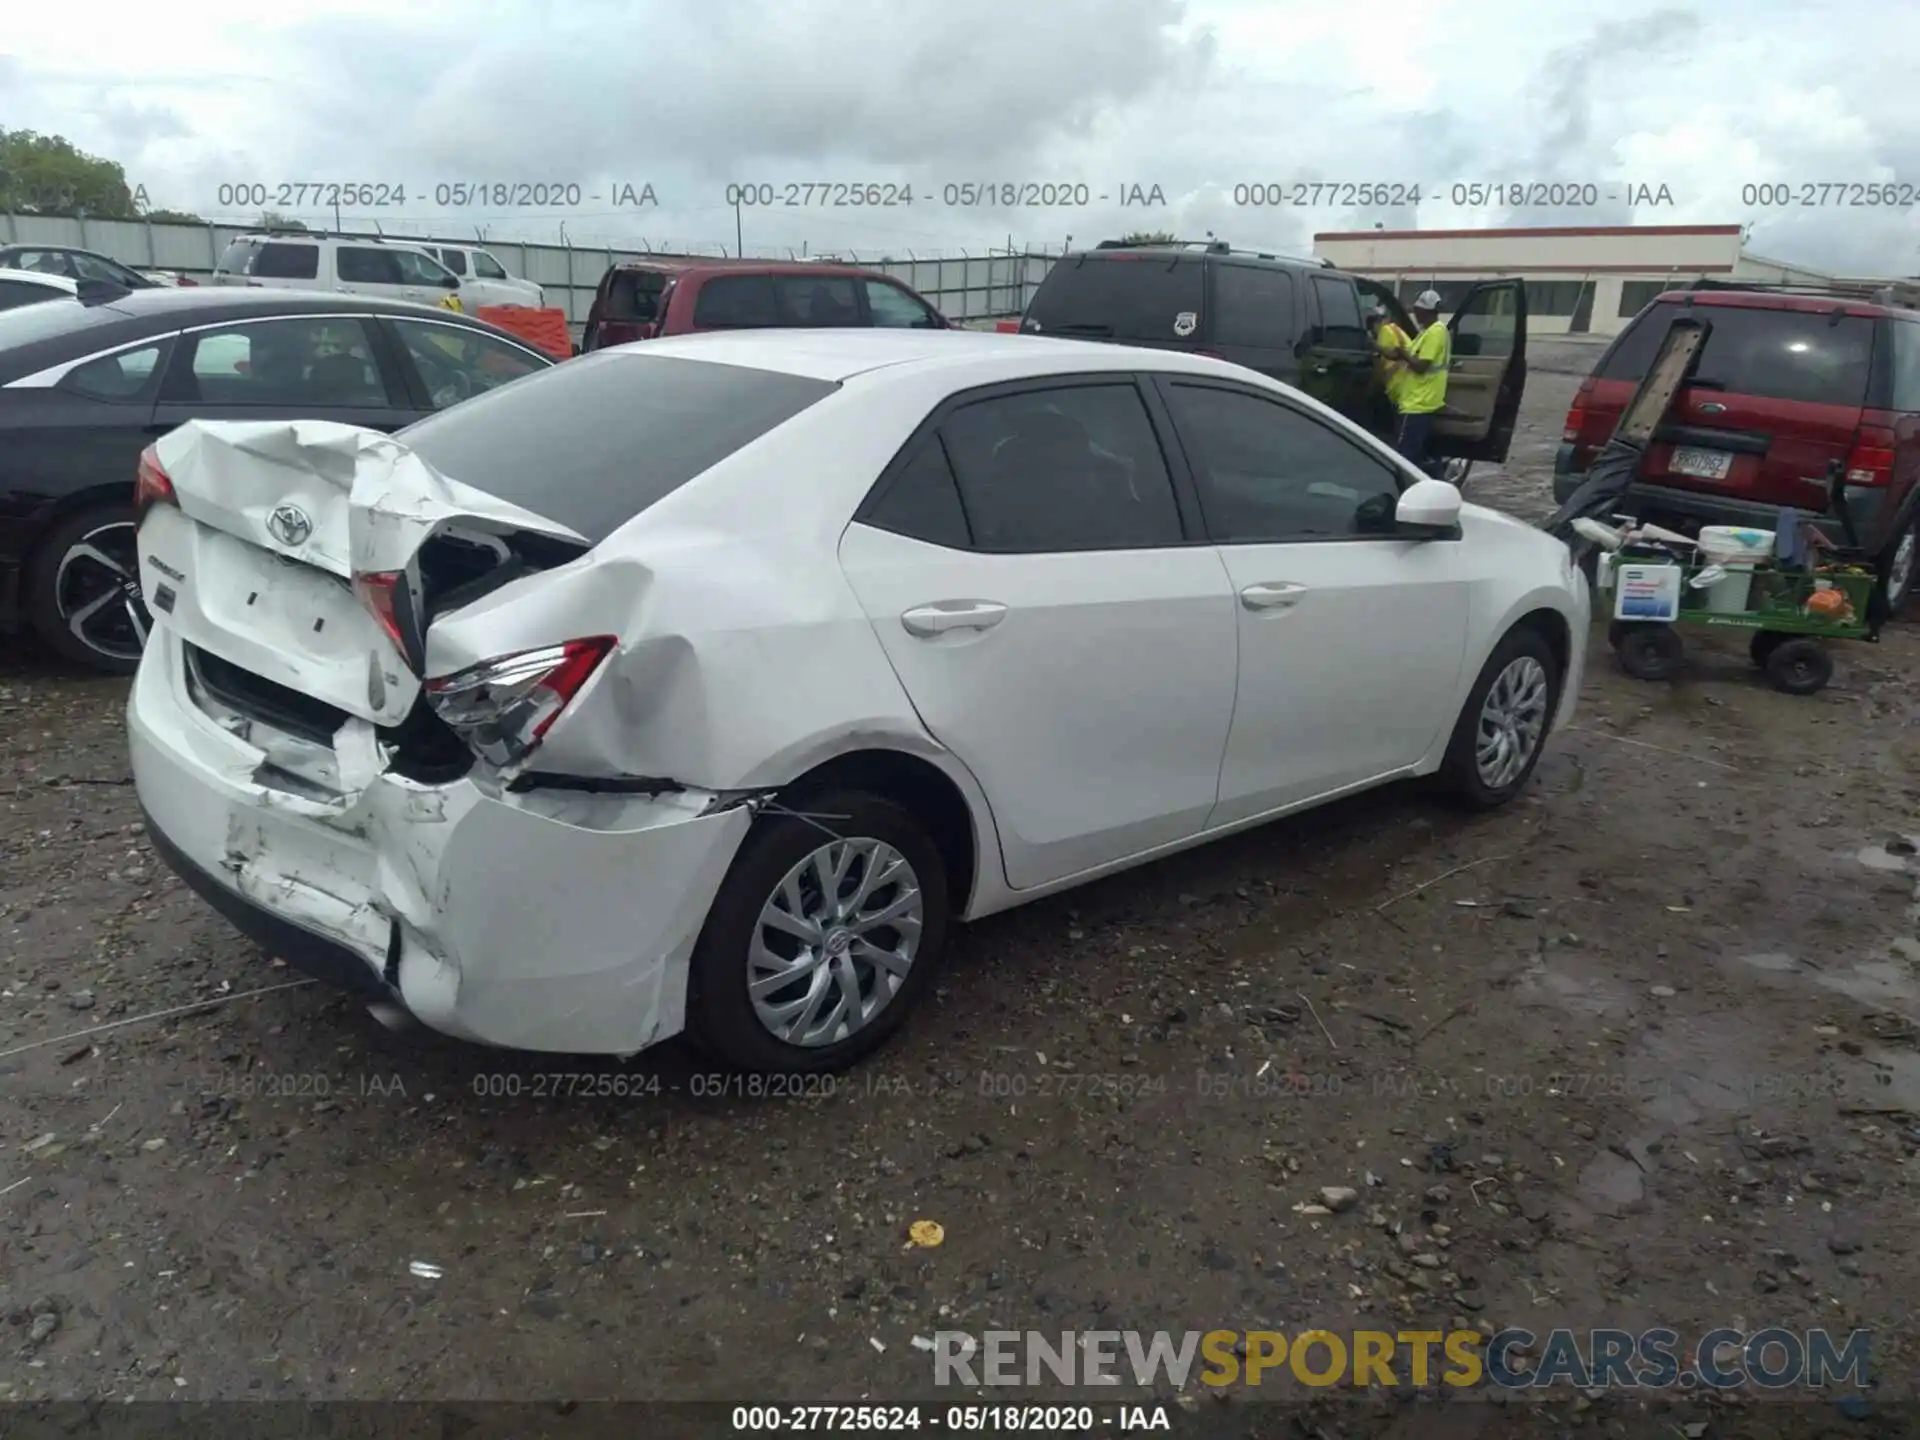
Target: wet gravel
(1638,1050)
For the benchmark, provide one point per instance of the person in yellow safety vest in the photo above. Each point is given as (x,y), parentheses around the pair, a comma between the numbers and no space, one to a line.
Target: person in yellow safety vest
(1421,392)
(1389,339)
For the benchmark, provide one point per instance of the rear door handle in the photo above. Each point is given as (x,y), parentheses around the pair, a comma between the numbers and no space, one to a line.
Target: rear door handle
(930,620)
(1274,596)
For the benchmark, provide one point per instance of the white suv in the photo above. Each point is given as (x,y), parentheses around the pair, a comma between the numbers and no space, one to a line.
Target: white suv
(349,264)
(484,279)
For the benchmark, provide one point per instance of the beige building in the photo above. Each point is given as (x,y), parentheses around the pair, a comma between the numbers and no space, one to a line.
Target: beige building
(1579,279)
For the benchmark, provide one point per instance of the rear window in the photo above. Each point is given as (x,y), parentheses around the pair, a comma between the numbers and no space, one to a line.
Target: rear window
(1771,354)
(1108,298)
(595,441)
(26,324)
(634,295)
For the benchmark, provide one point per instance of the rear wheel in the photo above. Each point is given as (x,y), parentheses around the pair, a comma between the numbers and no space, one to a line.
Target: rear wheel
(1503,727)
(1898,568)
(1799,666)
(823,936)
(83,590)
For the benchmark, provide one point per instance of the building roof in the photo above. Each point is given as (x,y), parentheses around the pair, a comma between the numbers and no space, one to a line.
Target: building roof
(1528,232)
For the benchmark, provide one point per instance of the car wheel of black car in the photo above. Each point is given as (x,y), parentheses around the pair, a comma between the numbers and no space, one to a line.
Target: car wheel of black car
(823,936)
(83,590)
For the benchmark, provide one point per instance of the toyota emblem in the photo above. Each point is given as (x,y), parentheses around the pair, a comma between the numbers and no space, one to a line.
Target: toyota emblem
(289,525)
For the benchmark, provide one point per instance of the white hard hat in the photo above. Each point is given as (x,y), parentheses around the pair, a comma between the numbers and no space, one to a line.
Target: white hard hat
(1427,300)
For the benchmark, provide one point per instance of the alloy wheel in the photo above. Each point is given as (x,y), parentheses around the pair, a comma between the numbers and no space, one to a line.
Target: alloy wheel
(834,942)
(1513,719)
(97,592)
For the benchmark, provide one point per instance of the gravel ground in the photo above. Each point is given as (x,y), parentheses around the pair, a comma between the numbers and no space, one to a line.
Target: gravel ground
(1637,1050)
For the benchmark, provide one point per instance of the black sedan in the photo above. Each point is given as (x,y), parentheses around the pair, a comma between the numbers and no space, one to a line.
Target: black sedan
(85,386)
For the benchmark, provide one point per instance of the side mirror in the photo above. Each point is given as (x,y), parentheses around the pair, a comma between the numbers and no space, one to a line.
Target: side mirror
(1427,509)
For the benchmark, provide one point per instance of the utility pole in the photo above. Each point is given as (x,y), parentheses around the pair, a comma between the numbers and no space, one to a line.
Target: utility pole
(739,249)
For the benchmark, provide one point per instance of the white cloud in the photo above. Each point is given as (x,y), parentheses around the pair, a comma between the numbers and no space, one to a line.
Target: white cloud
(1704,99)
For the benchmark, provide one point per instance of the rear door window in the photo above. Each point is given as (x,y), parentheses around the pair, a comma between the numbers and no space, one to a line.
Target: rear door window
(815,303)
(1148,297)
(1073,468)
(125,377)
(286,262)
(1253,306)
(736,302)
(1765,353)
(364,265)
(454,260)
(595,441)
(1906,364)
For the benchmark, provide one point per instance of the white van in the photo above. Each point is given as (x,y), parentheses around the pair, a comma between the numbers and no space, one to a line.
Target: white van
(484,278)
(348,264)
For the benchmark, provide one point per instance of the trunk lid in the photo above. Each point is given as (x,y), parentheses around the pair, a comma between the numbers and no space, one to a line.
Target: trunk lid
(271,526)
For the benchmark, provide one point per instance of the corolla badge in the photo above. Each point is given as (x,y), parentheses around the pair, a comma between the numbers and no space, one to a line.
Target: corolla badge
(289,525)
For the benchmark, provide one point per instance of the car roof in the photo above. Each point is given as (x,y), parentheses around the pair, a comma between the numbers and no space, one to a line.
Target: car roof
(136,314)
(64,284)
(683,265)
(842,353)
(1770,300)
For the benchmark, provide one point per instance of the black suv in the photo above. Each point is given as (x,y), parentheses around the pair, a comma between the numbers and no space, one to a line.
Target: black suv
(1298,321)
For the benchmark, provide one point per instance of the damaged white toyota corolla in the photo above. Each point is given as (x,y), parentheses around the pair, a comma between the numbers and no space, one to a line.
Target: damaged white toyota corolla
(699,685)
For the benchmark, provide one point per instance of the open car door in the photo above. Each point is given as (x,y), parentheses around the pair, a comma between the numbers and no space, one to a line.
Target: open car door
(1488,373)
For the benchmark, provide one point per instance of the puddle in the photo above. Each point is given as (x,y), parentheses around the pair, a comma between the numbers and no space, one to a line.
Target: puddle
(1878,857)
(1696,1067)
(1611,1184)
(1770,962)
(1892,1078)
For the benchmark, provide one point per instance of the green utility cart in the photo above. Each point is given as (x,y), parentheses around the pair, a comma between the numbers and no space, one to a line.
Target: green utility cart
(1786,611)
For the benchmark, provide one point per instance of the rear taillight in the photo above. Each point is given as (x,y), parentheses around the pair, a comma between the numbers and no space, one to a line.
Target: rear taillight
(151,485)
(1870,461)
(1577,414)
(503,708)
(384,593)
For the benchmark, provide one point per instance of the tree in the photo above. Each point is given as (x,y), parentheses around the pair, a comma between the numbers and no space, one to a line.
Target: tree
(1149,237)
(47,175)
(274,220)
(172,217)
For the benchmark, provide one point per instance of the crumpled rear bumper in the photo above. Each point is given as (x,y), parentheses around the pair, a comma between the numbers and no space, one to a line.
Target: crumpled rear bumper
(544,921)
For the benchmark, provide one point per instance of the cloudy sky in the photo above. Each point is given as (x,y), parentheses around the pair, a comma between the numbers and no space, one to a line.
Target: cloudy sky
(1697,103)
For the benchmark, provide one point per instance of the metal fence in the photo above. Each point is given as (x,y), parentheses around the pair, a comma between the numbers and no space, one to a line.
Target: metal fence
(965,286)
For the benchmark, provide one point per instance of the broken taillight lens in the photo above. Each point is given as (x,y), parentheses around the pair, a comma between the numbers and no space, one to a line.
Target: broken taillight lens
(151,484)
(383,593)
(503,708)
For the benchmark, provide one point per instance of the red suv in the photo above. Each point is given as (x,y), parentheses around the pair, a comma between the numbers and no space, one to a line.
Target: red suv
(1791,388)
(677,295)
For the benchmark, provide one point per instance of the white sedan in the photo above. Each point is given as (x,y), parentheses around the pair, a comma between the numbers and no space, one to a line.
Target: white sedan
(703,684)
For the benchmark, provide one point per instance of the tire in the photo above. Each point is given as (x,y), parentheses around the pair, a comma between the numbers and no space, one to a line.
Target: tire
(1799,666)
(82,590)
(1536,690)
(1900,567)
(722,1016)
(1650,652)
(1764,643)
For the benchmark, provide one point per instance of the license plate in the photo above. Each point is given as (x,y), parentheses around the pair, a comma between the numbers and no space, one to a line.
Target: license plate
(1706,464)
